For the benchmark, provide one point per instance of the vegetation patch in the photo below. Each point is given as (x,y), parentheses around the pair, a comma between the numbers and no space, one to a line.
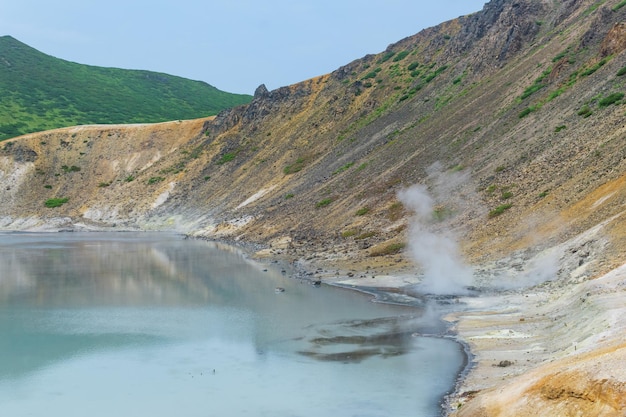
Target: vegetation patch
(387,56)
(611,99)
(227,157)
(506,195)
(442,101)
(343,168)
(593,8)
(362,211)
(155,180)
(73,168)
(594,68)
(371,74)
(431,76)
(390,249)
(56,202)
(348,233)
(619,5)
(491,189)
(560,55)
(531,90)
(537,85)
(499,210)
(400,56)
(559,128)
(556,93)
(323,203)
(526,111)
(585,111)
(295,167)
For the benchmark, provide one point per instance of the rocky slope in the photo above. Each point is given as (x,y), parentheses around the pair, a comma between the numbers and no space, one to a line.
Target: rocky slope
(511,117)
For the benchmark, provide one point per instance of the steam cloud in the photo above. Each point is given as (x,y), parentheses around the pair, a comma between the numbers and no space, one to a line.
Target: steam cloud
(436,252)
(435,248)
(542,268)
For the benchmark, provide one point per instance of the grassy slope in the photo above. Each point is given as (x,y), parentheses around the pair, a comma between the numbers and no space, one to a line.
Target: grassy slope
(39,92)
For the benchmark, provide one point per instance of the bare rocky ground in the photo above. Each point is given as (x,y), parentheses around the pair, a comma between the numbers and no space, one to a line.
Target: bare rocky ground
(557,346)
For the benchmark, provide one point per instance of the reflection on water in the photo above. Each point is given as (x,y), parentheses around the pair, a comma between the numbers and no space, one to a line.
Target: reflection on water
(355,340)
(129,324)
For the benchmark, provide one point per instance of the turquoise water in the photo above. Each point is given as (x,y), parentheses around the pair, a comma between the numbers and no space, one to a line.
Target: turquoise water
(128,324)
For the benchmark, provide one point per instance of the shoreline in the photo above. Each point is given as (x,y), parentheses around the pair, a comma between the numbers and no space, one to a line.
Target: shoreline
(388,291)
(554,346)
(389,295)
(391,288)
(523,337)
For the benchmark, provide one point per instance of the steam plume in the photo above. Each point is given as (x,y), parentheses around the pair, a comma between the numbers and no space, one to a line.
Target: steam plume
(542,268)
(437,253)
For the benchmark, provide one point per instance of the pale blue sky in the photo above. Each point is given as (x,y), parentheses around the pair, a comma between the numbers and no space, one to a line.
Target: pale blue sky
(234,45)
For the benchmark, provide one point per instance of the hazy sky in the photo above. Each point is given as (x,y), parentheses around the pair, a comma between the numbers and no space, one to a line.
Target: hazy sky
(234,45)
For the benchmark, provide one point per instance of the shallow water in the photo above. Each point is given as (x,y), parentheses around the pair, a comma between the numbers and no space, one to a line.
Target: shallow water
(127,324)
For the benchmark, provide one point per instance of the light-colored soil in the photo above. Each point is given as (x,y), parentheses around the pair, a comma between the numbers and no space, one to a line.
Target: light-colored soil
(557,349)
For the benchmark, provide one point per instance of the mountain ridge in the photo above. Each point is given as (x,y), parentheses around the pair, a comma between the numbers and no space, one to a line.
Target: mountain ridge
(40,92)
(511,118)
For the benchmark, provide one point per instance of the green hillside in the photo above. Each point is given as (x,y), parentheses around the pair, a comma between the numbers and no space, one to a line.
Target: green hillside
(39,92)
